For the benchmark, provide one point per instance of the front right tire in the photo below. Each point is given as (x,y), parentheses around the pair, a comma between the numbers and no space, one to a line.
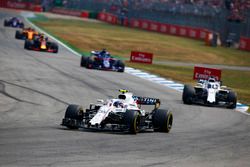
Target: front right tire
(73,116)
(90,62)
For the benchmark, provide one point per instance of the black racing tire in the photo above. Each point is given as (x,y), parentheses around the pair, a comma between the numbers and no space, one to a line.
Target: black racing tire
(188,94)
(84,60)
(90,62)
(5,23)
(132,120)
(21,25)
(74,112)
(28,44)
(232,100)
(162,120)
(18,34)
(54,46)
(121,65)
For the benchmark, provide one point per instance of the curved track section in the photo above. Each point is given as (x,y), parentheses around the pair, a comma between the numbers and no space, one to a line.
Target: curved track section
(36,87)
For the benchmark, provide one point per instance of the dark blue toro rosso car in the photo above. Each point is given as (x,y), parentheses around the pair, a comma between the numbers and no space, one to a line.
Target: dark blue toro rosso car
(102,60)
(13,22)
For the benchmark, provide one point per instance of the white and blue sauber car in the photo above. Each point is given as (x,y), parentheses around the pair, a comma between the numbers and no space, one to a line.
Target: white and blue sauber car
(123,113)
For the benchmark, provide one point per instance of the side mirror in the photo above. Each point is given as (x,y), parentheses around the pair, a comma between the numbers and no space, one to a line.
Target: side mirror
(199,84)
(223,87)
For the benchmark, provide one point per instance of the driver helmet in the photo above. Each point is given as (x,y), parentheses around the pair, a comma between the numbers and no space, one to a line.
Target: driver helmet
(103,52)
(118,104)
(42,36)
(211,79)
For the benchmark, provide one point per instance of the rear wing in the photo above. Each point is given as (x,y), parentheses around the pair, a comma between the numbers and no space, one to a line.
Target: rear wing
(147,101)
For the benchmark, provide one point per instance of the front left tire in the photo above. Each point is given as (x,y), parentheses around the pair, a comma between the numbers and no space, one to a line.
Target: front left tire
(232,100)
(132,120)
(90,62)
(120,65)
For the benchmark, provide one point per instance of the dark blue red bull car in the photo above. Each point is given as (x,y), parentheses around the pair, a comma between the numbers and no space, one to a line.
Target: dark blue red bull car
(13,22)
(41,43)
(102,60)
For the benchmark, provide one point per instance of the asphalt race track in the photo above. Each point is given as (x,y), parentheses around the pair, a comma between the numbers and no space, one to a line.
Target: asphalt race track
(36,87)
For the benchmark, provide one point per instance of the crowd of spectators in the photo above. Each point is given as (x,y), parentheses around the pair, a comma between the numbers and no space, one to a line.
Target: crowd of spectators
(236,8)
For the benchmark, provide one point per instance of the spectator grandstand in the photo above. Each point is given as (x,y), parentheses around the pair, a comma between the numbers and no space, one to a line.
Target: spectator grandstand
(228,18)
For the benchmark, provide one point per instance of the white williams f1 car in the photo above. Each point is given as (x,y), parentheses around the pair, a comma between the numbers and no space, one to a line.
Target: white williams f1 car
(122,113)
(209,91)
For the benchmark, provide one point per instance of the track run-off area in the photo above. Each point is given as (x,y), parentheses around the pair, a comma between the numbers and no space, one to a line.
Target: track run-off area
(36,87)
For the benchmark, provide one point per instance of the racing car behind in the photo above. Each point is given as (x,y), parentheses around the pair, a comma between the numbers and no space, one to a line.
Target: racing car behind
(124,113)
(26,33)
(102,60)
(41,43)
(209,90)
(13,22)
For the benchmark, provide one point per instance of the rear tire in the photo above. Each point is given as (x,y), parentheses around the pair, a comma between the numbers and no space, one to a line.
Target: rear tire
(21,25)
(74,113)
(18,35)
(162,120)
(5,23)
(132,120)
(232,100)
(83,61)
(54,46)
(188,94)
